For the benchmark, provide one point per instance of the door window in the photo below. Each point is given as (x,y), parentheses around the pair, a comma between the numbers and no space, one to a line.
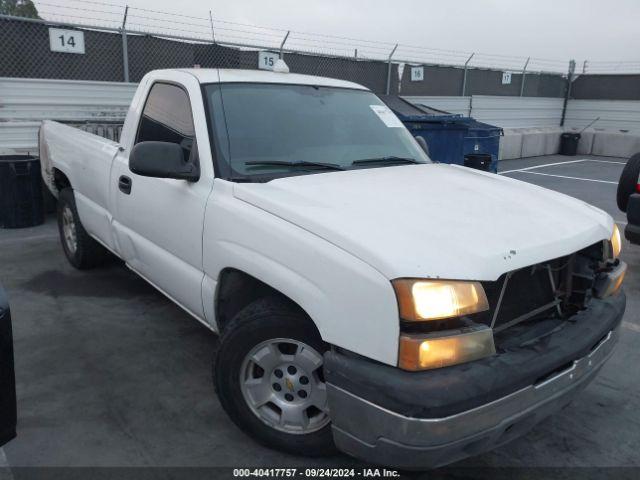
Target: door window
(167,117)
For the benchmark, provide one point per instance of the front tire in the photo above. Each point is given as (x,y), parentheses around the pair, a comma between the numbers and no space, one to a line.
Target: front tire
(268,377)
(82,251)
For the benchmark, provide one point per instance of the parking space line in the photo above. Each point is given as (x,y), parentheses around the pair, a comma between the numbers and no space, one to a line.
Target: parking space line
(604,161)
(631,326)
(542,166)
(565,176)
(580,160)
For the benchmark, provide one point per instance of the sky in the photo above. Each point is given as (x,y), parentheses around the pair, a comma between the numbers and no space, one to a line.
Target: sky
(551,30)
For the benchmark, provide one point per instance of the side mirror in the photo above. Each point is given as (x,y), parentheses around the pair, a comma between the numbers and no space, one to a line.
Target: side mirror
(423,144)
(162,160)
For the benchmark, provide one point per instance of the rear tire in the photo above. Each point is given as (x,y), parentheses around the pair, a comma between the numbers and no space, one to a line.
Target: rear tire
(268,376)
(628,181)
(82,251)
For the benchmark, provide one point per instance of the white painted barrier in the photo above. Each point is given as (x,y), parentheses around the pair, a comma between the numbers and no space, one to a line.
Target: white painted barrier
(531,123)
(457,105)
(25,102)
(613,114)
(516,112)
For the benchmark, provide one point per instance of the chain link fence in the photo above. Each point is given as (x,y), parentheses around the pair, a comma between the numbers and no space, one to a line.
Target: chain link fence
(118,43)
(110,55)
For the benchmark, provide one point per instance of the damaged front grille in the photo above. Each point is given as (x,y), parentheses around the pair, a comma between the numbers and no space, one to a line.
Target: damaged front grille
(555,288)
(529,302)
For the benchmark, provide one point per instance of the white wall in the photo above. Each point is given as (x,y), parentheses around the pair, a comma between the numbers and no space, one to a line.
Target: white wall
(459,105)
(506,112)
(37,99)
(614,114)
(530,112)
(517,112)
(25,102)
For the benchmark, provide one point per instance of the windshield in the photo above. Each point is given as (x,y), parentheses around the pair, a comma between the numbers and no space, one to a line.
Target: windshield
(278,130)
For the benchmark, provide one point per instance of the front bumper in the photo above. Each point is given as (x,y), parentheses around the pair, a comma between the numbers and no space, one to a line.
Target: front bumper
(393,423)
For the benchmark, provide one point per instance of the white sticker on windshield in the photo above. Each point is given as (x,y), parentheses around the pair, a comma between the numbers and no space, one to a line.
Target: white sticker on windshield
(386,115)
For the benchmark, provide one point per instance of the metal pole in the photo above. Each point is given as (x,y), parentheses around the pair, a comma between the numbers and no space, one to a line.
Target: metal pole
(213,35)
(572,69)
(389,69)
(356,54)
(524,74)
(464,78)
(125,53)
(584,67)
(283,42)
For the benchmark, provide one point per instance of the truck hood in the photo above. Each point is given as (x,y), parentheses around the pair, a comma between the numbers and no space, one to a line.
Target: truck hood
(433,220)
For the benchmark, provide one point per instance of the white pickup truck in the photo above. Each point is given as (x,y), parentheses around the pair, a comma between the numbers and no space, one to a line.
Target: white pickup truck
(407,312)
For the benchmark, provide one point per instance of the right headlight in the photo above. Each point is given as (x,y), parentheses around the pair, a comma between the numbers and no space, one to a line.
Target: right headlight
(420,300)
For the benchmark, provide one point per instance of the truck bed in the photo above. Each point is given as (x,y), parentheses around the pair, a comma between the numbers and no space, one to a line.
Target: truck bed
(85,160)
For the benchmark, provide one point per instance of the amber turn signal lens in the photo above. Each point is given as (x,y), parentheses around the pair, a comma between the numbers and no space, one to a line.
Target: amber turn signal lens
(437,299)
(443,349)
(616,242)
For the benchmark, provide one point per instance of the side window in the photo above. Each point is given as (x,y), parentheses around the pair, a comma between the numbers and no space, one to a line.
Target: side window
(167,118)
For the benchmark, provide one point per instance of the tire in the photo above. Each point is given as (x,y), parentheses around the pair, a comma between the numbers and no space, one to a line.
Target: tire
(258,326)
(628,181)
(82,251)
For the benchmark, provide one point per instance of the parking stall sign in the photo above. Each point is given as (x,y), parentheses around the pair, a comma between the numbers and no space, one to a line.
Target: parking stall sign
(417,74)
(66,41)
(267,60)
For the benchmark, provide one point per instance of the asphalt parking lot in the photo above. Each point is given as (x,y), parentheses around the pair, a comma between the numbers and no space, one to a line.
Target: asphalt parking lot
(110,373)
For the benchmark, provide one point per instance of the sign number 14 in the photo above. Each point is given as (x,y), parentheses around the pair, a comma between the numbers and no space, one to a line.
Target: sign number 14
(67,41)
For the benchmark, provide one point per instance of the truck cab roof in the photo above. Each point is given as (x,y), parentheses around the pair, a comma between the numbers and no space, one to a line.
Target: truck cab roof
(222,75)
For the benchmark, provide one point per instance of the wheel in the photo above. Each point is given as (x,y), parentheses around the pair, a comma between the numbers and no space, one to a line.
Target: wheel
(628,181)
(81,249)
(269,379)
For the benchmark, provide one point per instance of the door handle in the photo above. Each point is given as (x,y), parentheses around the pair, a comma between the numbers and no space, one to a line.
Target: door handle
(124,184)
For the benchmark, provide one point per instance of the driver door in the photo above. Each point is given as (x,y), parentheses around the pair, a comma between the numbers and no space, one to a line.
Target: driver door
(159,221)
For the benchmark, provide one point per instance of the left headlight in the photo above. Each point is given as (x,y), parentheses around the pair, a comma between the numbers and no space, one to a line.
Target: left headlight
(420,300)
(616,242)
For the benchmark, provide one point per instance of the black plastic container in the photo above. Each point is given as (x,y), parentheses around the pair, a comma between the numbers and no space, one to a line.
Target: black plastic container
(21,203)
(7,374)
(569,143)
(481,161)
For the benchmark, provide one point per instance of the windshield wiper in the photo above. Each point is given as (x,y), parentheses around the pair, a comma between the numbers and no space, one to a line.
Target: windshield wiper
(277,163)
(390,159)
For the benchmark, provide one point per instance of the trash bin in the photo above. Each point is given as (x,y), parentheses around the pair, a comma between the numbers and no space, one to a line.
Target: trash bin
(481,161)
(21,202)
(569,143)
(452,138)
(443,132)
(481,141)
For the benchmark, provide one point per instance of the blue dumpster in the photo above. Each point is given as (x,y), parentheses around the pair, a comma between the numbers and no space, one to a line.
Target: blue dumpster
(443,132)
(451,138)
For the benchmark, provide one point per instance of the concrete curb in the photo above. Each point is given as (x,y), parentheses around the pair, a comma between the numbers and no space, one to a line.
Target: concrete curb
(535,142)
